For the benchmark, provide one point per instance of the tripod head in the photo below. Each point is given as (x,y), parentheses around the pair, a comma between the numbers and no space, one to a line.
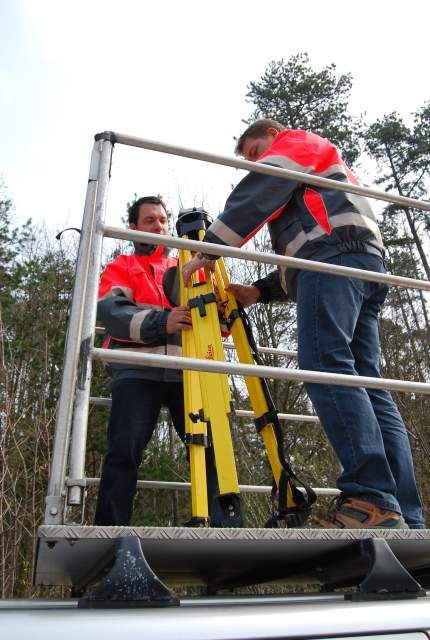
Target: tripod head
(191,221)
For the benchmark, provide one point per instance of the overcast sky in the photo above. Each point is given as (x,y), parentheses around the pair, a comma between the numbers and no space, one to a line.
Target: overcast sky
(176,72)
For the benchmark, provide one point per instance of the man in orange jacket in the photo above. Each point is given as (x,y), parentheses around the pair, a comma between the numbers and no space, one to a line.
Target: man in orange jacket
(337,317)
(137,315)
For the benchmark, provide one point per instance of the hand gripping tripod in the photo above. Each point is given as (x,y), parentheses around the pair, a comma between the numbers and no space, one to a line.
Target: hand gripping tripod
(208,402)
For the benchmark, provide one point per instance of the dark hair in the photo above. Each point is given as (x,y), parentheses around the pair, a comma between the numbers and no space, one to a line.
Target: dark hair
(256,130)
(133,209)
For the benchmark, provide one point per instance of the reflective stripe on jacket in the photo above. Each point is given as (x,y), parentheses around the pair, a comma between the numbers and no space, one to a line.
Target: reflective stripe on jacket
(305,222)
(134,310)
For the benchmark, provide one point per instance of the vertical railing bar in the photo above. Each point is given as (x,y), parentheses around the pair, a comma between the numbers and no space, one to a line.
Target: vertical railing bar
(81,407)
(54,503)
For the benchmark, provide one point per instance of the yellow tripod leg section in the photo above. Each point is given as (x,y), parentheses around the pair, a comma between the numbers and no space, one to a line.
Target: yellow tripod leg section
(214,387)
(254,385)
(193,404)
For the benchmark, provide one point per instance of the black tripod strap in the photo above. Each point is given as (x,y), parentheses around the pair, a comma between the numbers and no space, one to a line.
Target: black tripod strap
(295,515)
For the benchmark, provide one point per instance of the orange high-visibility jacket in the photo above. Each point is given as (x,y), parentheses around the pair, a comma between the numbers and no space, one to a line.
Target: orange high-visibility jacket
(304,221)
(134,309)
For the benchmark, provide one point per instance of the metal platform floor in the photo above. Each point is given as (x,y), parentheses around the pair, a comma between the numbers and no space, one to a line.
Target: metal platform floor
(227,558)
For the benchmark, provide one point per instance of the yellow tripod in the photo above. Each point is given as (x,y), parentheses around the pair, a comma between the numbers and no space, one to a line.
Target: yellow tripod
(208,402)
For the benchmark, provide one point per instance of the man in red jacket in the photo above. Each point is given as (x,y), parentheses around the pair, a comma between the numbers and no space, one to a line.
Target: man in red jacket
(337,317)
(137,316)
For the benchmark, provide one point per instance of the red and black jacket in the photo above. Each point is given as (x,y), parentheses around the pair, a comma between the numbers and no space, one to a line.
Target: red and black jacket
(314,223)
(134,309)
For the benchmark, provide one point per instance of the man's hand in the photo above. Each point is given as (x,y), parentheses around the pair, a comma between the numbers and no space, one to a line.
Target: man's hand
(245,294)
(179,318)
(194,265)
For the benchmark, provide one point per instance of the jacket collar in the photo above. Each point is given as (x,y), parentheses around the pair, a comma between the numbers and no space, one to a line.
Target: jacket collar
(155,251)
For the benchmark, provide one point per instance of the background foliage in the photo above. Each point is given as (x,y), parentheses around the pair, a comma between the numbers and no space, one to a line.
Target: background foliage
(36,278)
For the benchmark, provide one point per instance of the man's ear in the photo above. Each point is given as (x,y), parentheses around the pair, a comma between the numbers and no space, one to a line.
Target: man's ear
(132,226)
(272,131)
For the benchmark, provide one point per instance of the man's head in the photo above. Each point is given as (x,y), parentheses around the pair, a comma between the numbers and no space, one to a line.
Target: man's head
(148,214)
(257,138)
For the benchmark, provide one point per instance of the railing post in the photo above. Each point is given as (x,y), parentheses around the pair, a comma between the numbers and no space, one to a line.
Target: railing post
(94,205)
(83,382)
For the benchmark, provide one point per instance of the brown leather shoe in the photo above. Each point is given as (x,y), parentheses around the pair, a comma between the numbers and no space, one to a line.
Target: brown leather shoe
(355,513)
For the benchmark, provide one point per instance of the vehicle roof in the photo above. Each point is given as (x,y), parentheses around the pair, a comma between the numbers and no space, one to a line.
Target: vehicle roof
(217,618)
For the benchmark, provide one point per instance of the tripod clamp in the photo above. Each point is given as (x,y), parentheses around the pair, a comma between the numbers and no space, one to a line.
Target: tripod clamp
(201,301)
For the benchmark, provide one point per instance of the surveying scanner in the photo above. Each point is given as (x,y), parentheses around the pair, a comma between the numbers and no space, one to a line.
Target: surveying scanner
(207,398)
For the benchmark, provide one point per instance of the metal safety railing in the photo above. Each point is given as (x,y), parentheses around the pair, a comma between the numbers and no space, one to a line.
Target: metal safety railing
(73,404)
(228,346)
(238,413)
(185,486)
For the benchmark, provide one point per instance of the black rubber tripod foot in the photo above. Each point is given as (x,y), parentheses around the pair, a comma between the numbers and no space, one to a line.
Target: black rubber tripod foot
(228,507)
(130,583)
(387,578)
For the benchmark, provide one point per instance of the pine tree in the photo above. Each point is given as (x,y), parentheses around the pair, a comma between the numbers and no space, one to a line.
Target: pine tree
(403,156)
(300,97)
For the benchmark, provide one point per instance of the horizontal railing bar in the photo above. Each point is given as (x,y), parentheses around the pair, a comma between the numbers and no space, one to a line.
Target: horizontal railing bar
(292,417)
(215,366)
(258,167)
(231,347)
(267,258)
(186,486)
(100,402)
(277,352)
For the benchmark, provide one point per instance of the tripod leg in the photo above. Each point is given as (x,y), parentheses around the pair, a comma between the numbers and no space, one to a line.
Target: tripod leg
(216,400)
(265,415)
(254,386)
(216,409)
(196,440)
(195,429)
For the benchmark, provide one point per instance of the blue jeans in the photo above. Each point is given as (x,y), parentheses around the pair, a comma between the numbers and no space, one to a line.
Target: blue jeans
(136,405)
(338,332)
